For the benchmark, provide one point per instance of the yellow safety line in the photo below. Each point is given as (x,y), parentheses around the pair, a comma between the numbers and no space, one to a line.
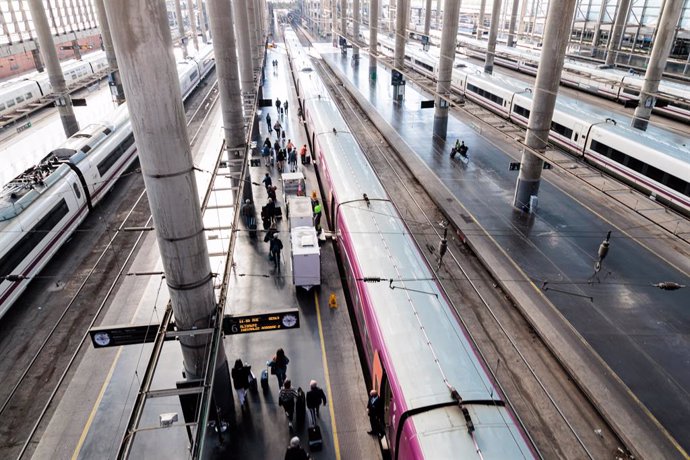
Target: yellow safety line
(92,415)
(336,443)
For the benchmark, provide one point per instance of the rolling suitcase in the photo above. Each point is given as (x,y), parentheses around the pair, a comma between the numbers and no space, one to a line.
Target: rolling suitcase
(315,439)
(252,382)
(264,379)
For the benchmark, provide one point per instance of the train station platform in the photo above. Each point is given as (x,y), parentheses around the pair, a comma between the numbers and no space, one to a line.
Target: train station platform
(91,418)
(622,339)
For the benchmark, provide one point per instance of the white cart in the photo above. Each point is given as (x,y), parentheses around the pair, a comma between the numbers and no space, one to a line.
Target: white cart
(299,211)
(306,257)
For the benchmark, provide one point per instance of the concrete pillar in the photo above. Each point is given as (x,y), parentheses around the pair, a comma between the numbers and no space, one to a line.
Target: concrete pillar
(402,11)
(512,39)
(521,18)
(222,27)
(180,28)
(438,14)
(555,42)
(114,78)
(617,32)
(192,23)
(202,20)
(663,41)
(356,18)
(343,18)
(143,46)
(449,34)
(597,27)
(36,55)
(334,22)
(373,37)
(480,20)
(254,34)
(50,57)
(493,36)
(427,18)
(243,45)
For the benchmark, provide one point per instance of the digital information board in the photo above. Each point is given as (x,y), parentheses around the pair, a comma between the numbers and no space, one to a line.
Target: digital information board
(261,322)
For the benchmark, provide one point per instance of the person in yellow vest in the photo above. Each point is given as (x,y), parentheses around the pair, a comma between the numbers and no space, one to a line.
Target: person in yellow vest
(317,216)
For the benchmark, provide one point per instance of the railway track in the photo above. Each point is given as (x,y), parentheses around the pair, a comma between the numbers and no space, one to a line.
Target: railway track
(557,415)
(41,347)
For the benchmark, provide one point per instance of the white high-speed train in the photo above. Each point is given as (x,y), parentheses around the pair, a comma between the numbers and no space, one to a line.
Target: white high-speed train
(656,161)
(43,206)
(439,400)
(22,91)
(611,83)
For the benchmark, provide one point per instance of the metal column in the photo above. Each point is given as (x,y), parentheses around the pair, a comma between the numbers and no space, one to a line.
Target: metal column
(202,21)
(617,32)
(373,37)
(356,19)
(493,35)
(143,45)
(556,37)
(114,79)
(663,41)
(449,34)
(401,21)
(50,58)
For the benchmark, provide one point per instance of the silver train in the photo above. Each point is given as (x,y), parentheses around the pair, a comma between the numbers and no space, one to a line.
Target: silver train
(43,206)
(440,400)
(655,161)
(19,92)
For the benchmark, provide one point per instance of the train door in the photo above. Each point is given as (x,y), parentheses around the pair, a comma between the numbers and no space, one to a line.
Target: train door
(380,383)
(579,135)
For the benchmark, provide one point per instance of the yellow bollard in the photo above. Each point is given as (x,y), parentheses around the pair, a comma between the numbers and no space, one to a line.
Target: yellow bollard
(332,302)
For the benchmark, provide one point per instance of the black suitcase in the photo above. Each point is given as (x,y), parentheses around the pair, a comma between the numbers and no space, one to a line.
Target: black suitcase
(315,439)
(264,379)
(307,160)
(300,407)
(279,213)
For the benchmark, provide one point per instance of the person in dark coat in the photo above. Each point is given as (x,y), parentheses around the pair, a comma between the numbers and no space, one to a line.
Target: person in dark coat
(267,181)
(285,106)
(240,380)
(248,212)
(295,451)
(275,249)
(278,366)
(315,397)
(375,412)
(268,122)
(286,399)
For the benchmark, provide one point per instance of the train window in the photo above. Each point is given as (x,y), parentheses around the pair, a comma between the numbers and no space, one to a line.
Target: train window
(28,95)
(635,164)
(521,111)
(110,160)
(485,94)
(10,103)
(562,130)
(677,184)
(654,173)
(2,106)
(631,91)
(193,76)
(32,239)
(76,190)
(617,156)
(19,99)
(575,138)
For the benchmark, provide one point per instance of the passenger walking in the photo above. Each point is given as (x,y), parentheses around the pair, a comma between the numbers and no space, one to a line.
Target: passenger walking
(275,249)
(286,399)
(278,105)
(375,412)
(295,451)
(278,366)
(280,159)
(285,106)
(300,114)
(268,122)
(248,213)
(277,127)
(240,380)
(317,217)
(272,193)
(292,160)
(267,181)
(315,397)
(303,154)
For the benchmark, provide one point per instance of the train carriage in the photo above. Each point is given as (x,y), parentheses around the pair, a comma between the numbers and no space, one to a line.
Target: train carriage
(440,401)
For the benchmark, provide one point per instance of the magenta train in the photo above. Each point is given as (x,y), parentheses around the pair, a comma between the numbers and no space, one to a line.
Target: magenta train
(440,400)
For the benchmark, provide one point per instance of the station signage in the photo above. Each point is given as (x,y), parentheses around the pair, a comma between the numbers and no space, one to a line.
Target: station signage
(261,322)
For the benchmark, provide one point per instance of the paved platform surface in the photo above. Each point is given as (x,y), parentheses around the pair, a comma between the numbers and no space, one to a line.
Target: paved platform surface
(90,419)
(639,331)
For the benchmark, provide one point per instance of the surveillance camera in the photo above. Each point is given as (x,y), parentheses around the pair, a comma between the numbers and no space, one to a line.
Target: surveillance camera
(168,419)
